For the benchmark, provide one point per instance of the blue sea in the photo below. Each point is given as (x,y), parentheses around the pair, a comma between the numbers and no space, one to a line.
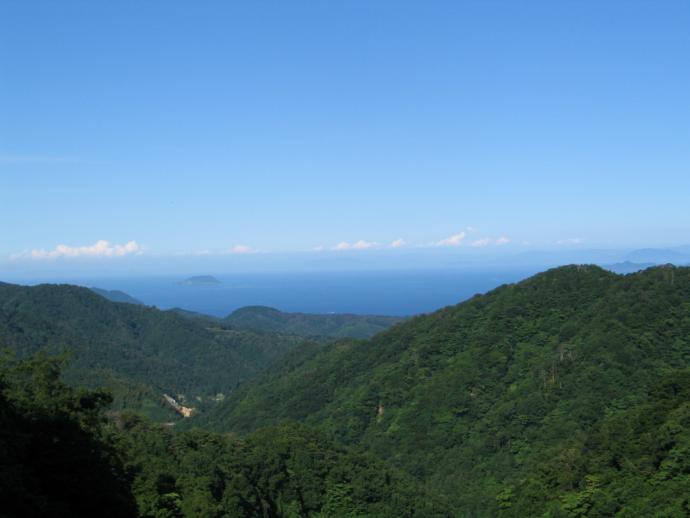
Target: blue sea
(383,293)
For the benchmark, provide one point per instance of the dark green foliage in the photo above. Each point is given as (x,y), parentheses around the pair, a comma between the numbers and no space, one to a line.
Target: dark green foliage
(566,395)
(61,458)
(287,471)
(56,456)
(138,352)
(209,319)
(636,462)
(471,398)
(305,324)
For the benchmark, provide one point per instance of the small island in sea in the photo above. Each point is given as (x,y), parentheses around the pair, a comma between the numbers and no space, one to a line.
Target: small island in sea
(199,280)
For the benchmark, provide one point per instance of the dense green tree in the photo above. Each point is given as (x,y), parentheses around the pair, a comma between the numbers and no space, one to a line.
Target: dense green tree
(58,459)
(566,395)
(63,458)
(138,352)
(289,470)
(338,325)
(475,399)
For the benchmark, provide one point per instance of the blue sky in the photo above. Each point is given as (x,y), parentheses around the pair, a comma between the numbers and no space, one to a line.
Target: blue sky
(232,127)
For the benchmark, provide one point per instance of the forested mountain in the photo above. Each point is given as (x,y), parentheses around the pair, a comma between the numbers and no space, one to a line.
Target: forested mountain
(336,325)
(61,458)
(137,351)
(210,319)
(116,296)
(563,395)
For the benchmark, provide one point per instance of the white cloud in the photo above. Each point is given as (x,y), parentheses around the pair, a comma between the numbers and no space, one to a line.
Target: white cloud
(241,249)
(358,245)
(454,240)
(362,245)
(570,241)
(319,248)
(100,248)
(485,241)
(400,242)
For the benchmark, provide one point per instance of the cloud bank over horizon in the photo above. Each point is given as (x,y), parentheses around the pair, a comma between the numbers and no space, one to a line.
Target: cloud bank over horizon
(101,248)
(105,249)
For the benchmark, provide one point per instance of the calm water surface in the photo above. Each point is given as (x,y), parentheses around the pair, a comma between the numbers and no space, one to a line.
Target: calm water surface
(383,293)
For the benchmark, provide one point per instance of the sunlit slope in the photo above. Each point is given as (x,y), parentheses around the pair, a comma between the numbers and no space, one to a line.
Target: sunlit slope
(476,398)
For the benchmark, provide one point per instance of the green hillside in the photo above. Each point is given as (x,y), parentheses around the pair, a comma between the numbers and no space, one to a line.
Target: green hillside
(337,325)
(116,296)
(565,395)
(61,458)
(209,319)
(516,401)
(139,352)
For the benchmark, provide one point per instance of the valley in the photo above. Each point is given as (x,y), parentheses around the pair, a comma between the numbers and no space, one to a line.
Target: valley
(521,401)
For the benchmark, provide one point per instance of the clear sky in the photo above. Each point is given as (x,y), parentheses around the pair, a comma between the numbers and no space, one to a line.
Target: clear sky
(175,127)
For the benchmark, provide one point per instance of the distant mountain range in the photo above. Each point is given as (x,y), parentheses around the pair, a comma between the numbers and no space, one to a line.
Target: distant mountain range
(117,296)
(263,318)
(658,256)
(337,325)
(648,257)
(563,395)
(627,267)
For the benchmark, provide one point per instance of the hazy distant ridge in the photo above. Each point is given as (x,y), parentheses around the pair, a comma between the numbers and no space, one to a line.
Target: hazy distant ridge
(116,296)
(338,325)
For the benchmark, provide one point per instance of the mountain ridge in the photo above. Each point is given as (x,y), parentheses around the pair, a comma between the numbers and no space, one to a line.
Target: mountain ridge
(116,296)
(132,346)
(332,325)
(489,385)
